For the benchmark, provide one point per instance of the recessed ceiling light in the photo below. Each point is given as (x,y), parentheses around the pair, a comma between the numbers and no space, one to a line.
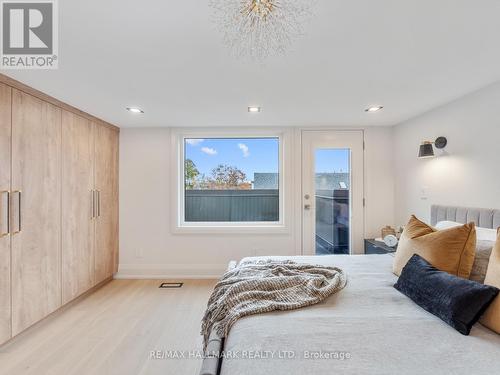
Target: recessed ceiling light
(253,109)
(374,108)
(135,110)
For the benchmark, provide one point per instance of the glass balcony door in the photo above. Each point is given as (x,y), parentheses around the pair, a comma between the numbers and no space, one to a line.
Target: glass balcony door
(332,187)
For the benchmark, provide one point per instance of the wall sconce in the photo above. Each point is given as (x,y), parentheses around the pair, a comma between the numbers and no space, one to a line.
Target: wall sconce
(427,150)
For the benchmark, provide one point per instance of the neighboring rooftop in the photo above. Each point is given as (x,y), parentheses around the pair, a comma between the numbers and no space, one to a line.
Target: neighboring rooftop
(324,181)
(265,181)
(332,181)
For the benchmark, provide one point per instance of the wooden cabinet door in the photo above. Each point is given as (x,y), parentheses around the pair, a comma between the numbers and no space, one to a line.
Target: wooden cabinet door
(106,184)
(5,152)
(77,206)
(36,210)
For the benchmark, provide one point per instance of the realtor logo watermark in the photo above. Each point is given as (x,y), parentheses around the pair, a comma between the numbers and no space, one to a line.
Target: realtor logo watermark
(29,34)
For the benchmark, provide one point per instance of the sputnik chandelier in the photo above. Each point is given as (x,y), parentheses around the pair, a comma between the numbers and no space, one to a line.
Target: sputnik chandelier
(260,28)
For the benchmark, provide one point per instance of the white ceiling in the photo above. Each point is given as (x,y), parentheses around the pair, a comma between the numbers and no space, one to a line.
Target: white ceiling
(166,57)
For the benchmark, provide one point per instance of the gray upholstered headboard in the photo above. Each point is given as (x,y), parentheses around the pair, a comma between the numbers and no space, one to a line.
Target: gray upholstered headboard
(482,217)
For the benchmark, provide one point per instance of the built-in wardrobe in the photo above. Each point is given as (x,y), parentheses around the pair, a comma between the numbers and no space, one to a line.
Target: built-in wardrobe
(58,205)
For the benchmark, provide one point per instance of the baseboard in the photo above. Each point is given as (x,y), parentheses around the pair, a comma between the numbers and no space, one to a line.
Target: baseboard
(170,271)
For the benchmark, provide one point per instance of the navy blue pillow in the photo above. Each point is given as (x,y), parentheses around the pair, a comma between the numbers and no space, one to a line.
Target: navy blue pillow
(458,302)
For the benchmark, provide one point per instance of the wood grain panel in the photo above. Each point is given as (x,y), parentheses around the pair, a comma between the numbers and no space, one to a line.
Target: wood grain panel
(5,161)
(77,214)
(49,99)
(36,171)
(106,183)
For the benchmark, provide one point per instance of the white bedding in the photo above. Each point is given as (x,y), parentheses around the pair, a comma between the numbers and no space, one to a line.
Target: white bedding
(381,330)
(483,234)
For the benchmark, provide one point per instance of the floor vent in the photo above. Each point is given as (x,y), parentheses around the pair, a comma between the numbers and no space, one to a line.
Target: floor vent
(171,285)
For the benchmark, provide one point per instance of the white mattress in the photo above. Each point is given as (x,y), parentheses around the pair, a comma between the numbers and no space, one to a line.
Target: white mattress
(381,330)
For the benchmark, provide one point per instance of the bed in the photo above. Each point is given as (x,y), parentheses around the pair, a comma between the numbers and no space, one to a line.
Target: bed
(368,328)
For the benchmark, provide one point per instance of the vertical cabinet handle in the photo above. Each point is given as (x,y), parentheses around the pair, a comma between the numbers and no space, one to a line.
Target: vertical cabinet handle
(92,203)
(5,218)
(19,211)
(98,203)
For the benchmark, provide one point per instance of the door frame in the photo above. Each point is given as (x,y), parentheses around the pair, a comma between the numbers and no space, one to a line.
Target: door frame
(355,249)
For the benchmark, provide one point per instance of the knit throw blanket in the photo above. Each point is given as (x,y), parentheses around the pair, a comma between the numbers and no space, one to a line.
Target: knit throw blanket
(264,286)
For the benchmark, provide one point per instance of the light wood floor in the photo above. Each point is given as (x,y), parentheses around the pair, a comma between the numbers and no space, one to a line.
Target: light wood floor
(113,331)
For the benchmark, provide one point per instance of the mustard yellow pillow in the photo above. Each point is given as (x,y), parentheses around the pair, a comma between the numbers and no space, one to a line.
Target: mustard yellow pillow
(450,250)
(491,317)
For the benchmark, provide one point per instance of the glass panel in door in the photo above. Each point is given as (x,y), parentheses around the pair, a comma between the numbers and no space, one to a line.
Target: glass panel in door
(332,179)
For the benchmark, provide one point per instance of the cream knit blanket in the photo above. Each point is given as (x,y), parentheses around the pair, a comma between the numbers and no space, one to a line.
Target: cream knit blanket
(264,286)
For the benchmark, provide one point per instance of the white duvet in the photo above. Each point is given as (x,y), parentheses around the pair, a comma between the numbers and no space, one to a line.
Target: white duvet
(368,328)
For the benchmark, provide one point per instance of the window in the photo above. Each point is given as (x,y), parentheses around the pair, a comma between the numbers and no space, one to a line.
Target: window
(231,181)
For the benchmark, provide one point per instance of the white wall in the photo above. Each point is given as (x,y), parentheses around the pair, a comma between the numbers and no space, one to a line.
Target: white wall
(467,173)
(148,248)
(379,180)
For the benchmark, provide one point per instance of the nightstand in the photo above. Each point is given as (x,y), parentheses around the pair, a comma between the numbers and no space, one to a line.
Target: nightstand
(377,247)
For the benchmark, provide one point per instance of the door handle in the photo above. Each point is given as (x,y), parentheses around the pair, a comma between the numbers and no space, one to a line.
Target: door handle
(19,211)
(7,216)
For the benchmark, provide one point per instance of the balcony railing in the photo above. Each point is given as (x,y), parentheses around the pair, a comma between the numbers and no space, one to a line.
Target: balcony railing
(231,205)
(332,212)
(332,221)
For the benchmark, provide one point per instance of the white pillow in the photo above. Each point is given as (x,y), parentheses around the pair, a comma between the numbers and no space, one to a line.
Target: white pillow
(446,225)
(483,234)
(486,234)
